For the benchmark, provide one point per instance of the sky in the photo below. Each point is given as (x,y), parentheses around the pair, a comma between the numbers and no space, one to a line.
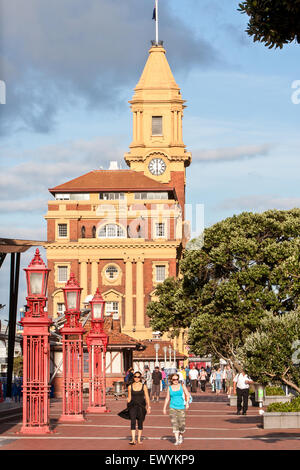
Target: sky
(70,68)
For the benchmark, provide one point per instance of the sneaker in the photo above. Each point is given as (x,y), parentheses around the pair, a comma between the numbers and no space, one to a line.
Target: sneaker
(238,412)
(180,440)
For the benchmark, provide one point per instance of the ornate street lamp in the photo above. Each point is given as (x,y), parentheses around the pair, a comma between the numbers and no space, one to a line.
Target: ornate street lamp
(156,347)
(96,342)
(165,359)
(72,339)
(36,350)
(170,356)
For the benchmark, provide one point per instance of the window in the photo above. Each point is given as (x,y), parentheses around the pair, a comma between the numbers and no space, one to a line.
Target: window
(160,273)
(111,272)
(94,232)
(157,125)
(160,230)
(83,231)
(62,273)
(62,197)
(62,230)
(156,195)
(111,196)
(112,231)
(61,309)
(79,197)
(112,308)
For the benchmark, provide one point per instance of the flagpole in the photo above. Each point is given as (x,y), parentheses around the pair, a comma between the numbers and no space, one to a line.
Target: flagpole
(156,20)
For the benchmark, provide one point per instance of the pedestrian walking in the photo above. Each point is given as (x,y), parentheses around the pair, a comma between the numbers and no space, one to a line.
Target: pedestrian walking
(138,405)
(164,376)
(156,383)
(128,379)
(148,379)
(218,379)
(241,384)
(181,378)
(187,371)
(193,376)
(224,374)
(229,380)
(178,397)
(212,380)
(202,378)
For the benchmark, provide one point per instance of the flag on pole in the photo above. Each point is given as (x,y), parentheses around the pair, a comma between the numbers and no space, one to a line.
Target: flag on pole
(154,14)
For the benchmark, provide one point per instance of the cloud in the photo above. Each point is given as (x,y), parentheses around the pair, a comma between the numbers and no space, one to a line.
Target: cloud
(259,203)
(231,153)
(48,166)
(56,53)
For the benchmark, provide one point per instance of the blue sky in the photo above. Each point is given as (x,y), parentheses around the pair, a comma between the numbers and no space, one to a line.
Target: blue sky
(70,68)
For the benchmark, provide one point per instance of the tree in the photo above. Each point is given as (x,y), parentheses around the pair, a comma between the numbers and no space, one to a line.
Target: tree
(167,314)
(271,354)
(273,22)
(248,265)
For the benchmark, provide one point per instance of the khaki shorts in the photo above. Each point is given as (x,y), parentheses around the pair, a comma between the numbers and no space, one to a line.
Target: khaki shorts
(177,420)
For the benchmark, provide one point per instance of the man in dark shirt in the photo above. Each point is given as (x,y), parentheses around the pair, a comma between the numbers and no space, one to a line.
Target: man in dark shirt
(156,383)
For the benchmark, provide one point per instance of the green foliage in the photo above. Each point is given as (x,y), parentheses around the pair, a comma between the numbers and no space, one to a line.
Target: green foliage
(274,391)
(292,406)
(247,266)
(273,22)
(270,353)
(169,314)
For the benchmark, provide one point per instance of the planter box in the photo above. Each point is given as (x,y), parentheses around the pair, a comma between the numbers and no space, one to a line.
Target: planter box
(277,398)
(276,420)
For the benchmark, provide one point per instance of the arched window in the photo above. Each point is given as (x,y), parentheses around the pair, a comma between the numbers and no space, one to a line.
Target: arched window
(111,231)
(94,232)
(83,231)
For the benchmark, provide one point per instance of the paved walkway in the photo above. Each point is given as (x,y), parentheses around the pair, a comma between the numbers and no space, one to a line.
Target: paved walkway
(211,424)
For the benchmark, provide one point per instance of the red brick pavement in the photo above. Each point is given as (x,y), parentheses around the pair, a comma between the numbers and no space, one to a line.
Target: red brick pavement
(210,425)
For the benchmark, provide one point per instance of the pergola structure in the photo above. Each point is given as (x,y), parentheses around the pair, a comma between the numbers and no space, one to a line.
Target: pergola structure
(14,247)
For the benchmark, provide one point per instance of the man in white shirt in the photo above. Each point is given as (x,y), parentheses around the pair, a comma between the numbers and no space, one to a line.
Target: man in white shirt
(241,387)
(193,376)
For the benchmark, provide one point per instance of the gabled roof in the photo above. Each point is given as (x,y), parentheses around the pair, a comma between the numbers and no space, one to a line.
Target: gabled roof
(112,180)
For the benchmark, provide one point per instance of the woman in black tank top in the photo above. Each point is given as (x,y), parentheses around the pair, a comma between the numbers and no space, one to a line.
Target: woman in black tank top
(138,406)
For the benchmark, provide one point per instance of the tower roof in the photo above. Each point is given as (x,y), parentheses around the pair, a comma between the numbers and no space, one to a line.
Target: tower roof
(156,77)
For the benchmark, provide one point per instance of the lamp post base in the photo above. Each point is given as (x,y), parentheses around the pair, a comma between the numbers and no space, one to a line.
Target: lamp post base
(97,409)
(72,418)
(35,430)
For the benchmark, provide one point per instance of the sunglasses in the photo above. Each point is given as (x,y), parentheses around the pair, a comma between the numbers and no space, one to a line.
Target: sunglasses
(175,379)
(136,376)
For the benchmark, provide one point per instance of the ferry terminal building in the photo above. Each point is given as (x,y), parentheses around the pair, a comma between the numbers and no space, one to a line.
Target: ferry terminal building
(123,231)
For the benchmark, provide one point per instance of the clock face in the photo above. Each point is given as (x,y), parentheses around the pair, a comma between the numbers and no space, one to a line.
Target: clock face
(157,166)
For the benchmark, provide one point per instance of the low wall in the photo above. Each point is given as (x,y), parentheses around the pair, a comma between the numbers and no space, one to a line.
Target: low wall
(276,420)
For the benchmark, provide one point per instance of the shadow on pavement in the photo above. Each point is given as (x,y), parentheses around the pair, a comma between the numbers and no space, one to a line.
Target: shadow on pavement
(273,437)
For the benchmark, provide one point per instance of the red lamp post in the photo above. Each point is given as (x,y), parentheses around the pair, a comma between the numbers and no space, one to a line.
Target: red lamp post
(96,342)
(36,350)
(72,339)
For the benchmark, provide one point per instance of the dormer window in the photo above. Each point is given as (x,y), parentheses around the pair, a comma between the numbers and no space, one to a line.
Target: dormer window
(157,125)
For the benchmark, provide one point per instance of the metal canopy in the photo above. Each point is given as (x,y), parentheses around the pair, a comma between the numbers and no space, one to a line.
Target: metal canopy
(15,247)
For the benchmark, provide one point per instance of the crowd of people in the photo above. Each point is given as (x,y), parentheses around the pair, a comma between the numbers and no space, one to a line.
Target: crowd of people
(144,388)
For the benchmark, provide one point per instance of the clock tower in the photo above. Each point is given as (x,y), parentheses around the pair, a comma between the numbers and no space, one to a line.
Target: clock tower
(157,149)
